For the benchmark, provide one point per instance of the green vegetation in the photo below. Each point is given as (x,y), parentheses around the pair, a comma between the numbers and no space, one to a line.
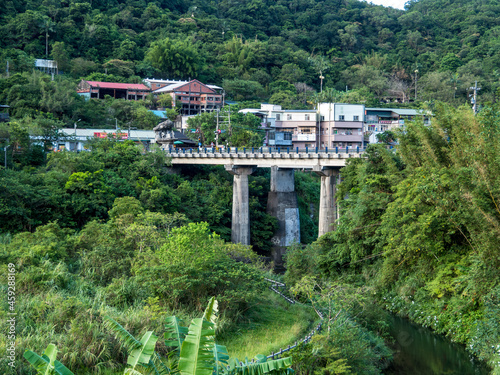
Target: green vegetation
(281,51)
(418,232)
(268,326)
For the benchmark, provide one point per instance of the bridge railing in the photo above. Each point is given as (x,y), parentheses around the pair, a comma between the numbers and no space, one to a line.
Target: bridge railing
(267,150)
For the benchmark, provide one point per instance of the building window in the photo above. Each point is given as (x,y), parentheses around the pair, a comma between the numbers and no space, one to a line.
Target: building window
(288,117)
(278,117)
(322,118)
(355,118)
(335,131)
(287,136)
(341,118)
(307,118)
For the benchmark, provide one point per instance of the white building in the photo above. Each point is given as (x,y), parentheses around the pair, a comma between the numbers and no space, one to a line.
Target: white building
(77,139)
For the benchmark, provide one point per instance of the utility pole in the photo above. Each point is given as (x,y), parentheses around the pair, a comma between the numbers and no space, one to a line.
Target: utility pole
(416,80)
(217,131)
(474,97)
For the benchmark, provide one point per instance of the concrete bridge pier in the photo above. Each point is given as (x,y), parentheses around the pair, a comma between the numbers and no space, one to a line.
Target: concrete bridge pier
(327,202)
(240,225)
(282,204)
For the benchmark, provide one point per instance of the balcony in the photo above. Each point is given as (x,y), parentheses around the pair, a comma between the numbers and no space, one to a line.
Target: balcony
(343,124)
(304,137)
(347,138)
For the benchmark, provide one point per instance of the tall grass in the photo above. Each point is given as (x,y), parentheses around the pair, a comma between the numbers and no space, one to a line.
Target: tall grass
(268,326)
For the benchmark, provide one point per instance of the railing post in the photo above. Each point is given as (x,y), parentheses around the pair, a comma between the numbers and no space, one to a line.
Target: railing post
(183,150)
(236,150)
(316,149)
(336,150)
(170,150)
(307,150)
(252,150)
(326,150)
(279,151)
(244,150)
(288,150)
(346,149)
(357,149)
(205,150)
(261,150)
(297,150)
(190,150)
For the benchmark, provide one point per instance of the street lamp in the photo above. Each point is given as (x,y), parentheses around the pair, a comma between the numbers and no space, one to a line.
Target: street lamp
(77,123)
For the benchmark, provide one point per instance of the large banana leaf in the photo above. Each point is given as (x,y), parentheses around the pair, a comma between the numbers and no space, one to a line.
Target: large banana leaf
(142,354)
(220,357)
(47,364)
(212,311)
(276,366)
(175,333)
(125,338)
(197,356)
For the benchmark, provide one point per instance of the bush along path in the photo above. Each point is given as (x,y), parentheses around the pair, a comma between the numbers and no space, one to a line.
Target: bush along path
(275,286)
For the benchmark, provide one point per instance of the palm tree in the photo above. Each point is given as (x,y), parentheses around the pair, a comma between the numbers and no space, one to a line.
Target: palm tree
(47,25)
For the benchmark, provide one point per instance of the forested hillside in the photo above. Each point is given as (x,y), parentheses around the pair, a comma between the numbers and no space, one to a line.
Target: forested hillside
(266,50)
(114,231)
(419,231)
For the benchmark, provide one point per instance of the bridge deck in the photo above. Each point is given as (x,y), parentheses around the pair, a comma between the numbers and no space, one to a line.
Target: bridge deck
(307,160)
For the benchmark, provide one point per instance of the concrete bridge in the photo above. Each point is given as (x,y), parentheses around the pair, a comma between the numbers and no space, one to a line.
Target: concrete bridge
(282,198)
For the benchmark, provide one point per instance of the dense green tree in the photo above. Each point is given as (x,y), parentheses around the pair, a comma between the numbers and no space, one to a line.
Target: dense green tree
(174,58)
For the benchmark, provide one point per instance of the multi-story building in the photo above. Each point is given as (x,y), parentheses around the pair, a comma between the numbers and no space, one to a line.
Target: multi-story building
(341,125)
(379,120)
(302,125)
(331,125)
(192,97)
(268,113)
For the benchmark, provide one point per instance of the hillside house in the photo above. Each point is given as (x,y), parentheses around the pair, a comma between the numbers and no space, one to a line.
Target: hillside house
(192,97)
(127,91)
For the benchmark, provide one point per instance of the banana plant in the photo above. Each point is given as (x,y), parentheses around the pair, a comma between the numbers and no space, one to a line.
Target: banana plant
(195,350)
(142,354)
(47,363)
(175,333)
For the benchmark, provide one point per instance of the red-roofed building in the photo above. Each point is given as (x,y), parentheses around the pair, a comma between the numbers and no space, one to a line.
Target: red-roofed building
(193,97)
(128,91)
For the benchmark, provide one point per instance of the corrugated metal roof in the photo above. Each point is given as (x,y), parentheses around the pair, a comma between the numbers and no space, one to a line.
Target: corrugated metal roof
(299,111)
(115,85)
(89,133)
(408,112)
(399,111)
(170,87)
(160,114)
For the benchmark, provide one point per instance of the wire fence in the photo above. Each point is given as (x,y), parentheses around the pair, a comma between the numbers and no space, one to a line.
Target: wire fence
(275,287)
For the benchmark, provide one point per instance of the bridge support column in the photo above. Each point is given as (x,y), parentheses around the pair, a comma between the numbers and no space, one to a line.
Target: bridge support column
(282,204)
(240,226)
(327,202)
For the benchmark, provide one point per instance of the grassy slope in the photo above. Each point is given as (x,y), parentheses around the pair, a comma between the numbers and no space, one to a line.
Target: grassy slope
(268,326)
